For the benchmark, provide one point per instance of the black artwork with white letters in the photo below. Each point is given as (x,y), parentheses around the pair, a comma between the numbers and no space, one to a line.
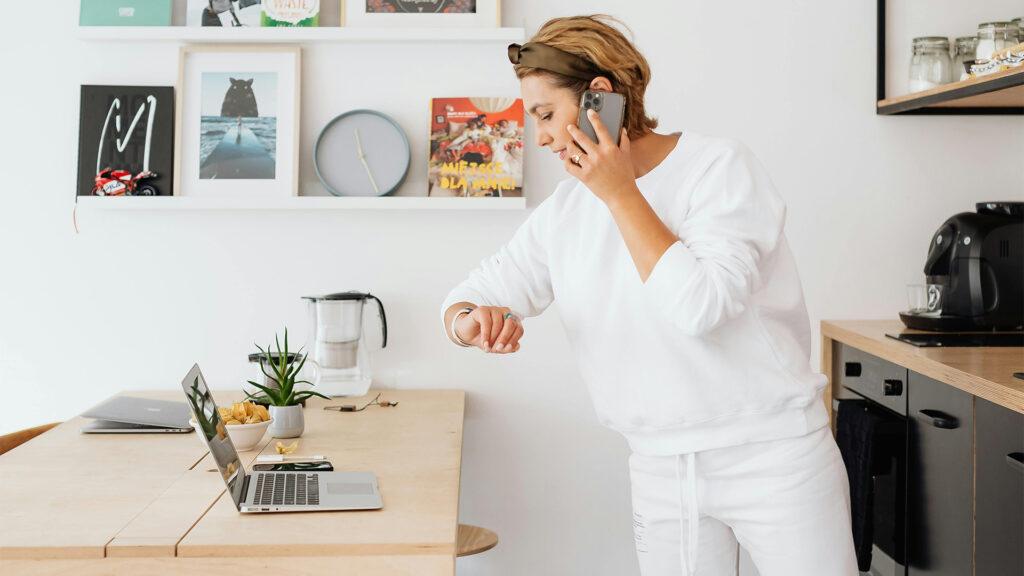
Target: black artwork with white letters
(126,128)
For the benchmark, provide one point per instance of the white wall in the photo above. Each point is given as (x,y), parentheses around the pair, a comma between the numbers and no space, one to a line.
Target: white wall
(137,297)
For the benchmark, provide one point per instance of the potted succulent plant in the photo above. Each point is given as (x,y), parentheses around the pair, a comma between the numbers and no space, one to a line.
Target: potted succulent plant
(280,392)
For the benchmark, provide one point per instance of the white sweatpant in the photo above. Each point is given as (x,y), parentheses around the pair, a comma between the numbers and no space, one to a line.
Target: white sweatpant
(787,502)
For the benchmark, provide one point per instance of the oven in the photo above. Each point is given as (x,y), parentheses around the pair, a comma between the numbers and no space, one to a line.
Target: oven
(873,438)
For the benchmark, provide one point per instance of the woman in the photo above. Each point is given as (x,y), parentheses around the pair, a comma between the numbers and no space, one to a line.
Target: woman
(683,306)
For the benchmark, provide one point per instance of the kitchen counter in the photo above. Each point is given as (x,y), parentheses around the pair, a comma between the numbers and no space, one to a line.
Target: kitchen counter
(985,372)
(944,428)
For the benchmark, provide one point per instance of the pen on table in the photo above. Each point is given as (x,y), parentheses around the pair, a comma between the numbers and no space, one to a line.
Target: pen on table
(283,457)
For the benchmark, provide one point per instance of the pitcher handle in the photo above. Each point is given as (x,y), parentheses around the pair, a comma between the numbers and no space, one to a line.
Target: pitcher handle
(383,321)
(316,370)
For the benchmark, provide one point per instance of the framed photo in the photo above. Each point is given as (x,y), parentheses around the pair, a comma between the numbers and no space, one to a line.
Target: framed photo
(127,132)
(421,13)
(237,121)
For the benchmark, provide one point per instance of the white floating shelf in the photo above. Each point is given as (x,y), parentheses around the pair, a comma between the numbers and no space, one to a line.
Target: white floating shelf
(299,203)
(283,34)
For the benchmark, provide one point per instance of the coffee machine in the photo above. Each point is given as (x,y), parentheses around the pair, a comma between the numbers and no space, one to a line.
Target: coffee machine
(976,264)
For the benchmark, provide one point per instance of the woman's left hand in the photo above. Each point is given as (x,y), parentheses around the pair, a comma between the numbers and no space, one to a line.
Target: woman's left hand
(605,169)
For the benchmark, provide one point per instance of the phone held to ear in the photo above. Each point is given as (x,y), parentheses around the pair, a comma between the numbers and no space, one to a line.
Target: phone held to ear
(321,466)
(610,107)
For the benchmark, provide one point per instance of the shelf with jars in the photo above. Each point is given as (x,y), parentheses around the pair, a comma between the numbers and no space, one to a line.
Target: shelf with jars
(997,93)
(938,82)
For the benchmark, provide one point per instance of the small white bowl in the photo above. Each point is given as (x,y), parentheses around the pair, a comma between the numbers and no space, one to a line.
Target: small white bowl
(243,436)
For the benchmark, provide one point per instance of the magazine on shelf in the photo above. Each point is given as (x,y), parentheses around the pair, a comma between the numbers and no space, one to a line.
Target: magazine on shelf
(125,13)
(223,13)
(291,13)
(476,147)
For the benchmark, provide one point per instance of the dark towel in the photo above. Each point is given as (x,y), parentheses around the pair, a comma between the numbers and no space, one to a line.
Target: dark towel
(856,426)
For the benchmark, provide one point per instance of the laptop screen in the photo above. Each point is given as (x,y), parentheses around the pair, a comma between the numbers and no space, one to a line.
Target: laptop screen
(211,429)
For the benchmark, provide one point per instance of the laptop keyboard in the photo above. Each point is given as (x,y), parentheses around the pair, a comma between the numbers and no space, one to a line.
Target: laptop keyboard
(287,489)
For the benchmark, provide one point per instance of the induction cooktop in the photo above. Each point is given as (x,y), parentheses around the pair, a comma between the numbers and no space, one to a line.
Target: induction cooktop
(927,340)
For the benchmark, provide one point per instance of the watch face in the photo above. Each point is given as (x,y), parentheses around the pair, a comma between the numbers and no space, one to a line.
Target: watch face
(362,153)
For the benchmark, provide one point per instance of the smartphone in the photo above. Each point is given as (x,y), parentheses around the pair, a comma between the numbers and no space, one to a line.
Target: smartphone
(610,106)
(321,466)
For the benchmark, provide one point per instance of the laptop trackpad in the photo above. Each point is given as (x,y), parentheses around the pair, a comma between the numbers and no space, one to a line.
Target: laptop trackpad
(347,488)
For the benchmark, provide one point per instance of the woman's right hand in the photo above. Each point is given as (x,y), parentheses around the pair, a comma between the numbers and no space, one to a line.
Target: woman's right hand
(491,328)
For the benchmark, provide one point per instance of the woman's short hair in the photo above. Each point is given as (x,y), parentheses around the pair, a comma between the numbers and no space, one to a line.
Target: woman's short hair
(596,39)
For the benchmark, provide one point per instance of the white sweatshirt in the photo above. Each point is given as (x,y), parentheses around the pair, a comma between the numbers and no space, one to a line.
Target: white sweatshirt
(713,350)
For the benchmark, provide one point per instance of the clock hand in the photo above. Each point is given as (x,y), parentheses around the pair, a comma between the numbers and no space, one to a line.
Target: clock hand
(359,145)
(362,156)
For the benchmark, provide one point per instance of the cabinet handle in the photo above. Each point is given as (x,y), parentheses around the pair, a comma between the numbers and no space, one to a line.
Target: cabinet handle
(1016,461)
(939,419)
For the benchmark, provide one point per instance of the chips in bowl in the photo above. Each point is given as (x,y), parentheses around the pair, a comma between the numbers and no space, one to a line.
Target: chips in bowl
(243,413)
(244,422)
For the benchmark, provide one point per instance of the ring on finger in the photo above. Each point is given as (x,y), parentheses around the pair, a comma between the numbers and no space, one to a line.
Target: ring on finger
(575,159)
(511,316)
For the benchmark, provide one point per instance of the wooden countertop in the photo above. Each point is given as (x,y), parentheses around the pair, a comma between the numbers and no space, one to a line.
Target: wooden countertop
(986,372)
(99,504)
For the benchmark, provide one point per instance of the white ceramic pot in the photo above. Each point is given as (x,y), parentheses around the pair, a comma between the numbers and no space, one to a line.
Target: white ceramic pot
(286,421)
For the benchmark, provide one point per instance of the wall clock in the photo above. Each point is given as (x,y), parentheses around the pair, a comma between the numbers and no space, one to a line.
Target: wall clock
(362,153)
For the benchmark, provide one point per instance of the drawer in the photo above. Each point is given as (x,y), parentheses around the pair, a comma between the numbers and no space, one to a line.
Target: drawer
(870,376)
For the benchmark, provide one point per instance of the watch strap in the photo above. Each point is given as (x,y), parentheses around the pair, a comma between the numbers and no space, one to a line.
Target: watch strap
(455,334)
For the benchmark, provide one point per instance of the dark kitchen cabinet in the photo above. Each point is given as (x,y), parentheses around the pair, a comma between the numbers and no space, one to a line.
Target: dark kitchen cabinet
(964,415)
(940,484)
(1000,490)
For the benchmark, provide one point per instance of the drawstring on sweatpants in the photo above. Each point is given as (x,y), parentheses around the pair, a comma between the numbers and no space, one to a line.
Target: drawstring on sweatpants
(689,562)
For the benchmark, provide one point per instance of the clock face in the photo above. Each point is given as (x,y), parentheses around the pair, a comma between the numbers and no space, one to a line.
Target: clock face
(362,153)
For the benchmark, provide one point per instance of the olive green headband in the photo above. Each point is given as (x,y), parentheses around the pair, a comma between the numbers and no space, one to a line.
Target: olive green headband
(537,55)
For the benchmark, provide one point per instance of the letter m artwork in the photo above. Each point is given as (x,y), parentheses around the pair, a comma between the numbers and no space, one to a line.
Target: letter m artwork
(127,128)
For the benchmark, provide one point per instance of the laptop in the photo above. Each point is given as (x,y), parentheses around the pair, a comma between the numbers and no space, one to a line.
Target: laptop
(131,415)
(274,491)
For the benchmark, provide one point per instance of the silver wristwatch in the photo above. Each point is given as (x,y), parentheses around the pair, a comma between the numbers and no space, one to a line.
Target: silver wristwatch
(455,334)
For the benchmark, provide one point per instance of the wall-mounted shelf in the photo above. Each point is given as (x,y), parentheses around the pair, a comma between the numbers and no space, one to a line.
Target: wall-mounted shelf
(299,203)
(275,35)
(999,93)
(316,35)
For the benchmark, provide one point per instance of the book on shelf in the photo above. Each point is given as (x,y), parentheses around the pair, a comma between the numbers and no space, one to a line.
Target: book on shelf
(125,13)
(291,13)
(224,13)
(476,147)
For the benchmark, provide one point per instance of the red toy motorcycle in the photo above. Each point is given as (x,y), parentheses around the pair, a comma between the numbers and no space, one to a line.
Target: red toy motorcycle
(121,183)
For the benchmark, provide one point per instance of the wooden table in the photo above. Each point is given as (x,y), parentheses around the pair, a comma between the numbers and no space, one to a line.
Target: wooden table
(152,504)
(986,372)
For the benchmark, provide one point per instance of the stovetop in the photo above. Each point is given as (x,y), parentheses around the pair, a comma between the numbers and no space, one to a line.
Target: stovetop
(948,339)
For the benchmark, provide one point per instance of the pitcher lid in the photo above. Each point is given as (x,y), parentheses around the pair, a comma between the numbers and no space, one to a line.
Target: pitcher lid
(351,295)
(274,356)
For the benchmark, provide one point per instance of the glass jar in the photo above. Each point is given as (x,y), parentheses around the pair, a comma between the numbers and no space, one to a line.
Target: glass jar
(930,66)
(1020,28)
(966,49)
(995,36)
